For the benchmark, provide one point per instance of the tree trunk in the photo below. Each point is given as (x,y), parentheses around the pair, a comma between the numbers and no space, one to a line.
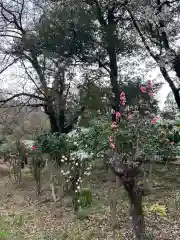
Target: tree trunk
(135,198)
(37,176)
(53,187)
(113,196)
(57,123)
(38,187)
(111,49)
(53,123)
(177,66)
(171,84)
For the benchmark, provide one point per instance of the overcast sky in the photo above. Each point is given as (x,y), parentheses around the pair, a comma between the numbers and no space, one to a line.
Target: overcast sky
(9,81)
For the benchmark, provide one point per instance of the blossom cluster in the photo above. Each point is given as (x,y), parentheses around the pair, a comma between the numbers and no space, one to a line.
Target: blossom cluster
(149,86)
(75,163)
(143,89)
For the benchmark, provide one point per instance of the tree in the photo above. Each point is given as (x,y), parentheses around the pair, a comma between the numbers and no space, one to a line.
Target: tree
(50,72)
(93,25)
(158,29)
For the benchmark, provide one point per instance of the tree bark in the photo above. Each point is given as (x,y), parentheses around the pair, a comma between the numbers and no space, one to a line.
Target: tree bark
(174,89)
(135,198)
(113,196)
(111,50)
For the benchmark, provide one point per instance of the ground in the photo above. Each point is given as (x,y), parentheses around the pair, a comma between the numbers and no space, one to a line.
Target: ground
(26,216)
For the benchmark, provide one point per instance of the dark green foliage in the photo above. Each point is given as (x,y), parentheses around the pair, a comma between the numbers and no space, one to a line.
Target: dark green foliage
(67,30)
(134,95)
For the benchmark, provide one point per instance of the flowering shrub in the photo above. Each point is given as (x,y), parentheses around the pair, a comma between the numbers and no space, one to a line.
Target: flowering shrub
(136,131)
(74,152)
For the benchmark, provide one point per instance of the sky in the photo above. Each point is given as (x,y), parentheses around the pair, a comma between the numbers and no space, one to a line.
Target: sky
(9,81)
(161,96)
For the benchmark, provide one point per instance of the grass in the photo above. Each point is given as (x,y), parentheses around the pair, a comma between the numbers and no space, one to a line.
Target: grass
(26,216)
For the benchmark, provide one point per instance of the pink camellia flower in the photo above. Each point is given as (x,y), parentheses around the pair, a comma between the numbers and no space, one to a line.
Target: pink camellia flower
(154,120)
(112,145)
(118,114)
(122,94)
(151,94)
(34,147)
(143,89)
(123,99)
(110,139)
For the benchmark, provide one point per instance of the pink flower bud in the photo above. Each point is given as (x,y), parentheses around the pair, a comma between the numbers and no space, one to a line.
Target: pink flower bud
(154,120)
(122,94)
(143,89)
(112,145)
(151,94)
(118,114)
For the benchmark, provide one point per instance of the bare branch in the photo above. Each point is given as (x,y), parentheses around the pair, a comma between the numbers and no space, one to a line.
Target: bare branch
(21,94)
(37,87)
(99,11)
(9,65)
(141,35)
(15,20)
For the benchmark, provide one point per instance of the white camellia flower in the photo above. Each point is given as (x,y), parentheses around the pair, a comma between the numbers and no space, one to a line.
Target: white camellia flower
(78,187)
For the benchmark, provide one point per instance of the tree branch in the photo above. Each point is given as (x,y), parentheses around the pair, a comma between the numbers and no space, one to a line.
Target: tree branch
(99,12)
(21,94)
(15,21)
(70,126)
(171,84)
(9,65)
(38,88)
(141,35)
